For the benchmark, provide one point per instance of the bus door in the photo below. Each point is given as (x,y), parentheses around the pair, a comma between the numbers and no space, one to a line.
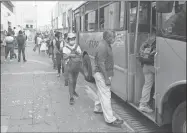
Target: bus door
(135,71)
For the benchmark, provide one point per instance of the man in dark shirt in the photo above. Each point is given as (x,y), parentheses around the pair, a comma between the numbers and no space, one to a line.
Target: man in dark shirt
(21,40)
(104,65)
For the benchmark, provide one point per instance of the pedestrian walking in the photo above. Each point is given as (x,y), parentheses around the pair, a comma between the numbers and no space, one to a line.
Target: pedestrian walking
(39,41)
(72,56)
(104,65)
(9,41)
(21,40)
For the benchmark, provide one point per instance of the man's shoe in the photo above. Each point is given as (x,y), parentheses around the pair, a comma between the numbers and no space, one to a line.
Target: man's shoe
(58,75)
(117,123)
(72,101)
(25,60)
(18,60)
(146,109)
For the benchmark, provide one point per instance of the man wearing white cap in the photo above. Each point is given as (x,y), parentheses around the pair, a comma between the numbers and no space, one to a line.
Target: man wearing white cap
(72,56)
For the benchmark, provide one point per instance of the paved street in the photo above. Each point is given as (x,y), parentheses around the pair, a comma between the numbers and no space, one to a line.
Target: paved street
(33,99)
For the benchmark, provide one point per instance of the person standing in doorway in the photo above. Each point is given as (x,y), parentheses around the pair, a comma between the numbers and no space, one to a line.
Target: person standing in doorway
(72,56)
(147,52)
(104,65)
(21,40)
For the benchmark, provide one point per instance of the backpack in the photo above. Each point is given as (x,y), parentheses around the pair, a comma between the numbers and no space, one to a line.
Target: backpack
(74,64)
(20,40)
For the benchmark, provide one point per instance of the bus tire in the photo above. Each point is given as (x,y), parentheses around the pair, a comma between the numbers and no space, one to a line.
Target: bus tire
(87,69)
(179,119)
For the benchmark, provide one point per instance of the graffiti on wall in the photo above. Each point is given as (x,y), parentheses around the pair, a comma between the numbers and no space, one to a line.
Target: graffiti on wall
(92,43)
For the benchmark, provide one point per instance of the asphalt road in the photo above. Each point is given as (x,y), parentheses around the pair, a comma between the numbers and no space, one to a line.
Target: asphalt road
(34,99)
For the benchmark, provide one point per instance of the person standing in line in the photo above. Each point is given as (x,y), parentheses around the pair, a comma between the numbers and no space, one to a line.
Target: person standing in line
(72,56)
(104,65)
(35,41)
(58,51)
(65,68)
(9,41)
(53,54)
(39,41)
(15,45)
(21,40)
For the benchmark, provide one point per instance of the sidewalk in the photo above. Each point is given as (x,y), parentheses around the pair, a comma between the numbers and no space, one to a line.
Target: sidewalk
(33,99)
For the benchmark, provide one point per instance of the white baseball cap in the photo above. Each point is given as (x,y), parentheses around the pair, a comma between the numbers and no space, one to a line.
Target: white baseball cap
(71,35)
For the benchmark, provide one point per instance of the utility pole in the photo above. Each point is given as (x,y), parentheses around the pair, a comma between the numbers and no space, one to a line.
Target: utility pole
(36,15)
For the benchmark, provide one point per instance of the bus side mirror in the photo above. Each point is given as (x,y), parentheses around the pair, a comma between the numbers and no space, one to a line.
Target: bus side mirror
(164,6)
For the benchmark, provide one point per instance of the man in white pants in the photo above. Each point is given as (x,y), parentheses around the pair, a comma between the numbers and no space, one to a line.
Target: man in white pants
(104,65)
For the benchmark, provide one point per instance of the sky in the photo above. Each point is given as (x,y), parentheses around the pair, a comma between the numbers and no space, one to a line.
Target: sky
(43,10)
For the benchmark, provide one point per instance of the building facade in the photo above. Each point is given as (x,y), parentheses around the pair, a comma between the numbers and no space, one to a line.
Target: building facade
(60,14)
(7,15)
(26,15)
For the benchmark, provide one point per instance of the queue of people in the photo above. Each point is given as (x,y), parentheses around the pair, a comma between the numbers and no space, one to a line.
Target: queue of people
(67,57)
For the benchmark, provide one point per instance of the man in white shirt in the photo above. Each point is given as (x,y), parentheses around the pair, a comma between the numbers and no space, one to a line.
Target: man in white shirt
(72,57)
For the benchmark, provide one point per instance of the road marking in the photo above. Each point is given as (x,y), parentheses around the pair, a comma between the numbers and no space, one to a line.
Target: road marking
(26,73)
(4,123)
(4,129)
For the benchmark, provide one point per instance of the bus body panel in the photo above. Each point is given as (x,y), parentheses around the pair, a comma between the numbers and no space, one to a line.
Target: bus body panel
(174,58)
(88,43)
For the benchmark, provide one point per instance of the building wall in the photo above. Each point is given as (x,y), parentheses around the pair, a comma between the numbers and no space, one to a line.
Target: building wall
(7,16)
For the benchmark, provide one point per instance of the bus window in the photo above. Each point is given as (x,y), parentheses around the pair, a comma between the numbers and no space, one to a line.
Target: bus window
(91,21)
(173,24)
(101,17)
(144,19)
(122,15)
(112,16)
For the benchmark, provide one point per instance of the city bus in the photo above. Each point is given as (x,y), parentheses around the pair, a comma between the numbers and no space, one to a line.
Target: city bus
(132,23)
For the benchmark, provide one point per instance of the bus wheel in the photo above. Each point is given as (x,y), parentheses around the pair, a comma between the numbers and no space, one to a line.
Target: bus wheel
(179,119)
(87,69)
